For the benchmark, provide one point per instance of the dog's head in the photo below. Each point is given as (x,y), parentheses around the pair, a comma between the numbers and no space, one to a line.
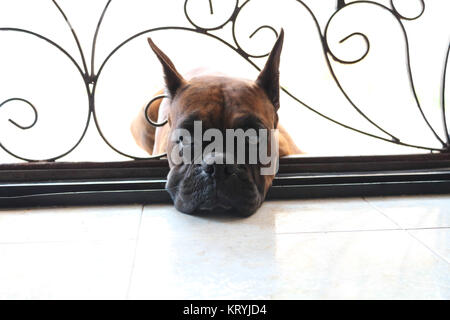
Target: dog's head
(214,166)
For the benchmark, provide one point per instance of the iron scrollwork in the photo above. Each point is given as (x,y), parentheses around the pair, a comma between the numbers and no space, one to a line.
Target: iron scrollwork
(90,76)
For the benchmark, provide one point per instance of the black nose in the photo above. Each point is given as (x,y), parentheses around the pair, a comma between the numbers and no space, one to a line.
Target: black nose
(215,167)
(219,171)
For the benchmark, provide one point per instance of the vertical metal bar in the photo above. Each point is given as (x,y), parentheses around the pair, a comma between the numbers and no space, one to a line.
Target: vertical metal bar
(94,41)
(340,4)
(75,37)
(444,116)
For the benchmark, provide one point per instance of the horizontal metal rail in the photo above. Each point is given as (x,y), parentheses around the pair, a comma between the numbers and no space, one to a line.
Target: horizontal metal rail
(143,181)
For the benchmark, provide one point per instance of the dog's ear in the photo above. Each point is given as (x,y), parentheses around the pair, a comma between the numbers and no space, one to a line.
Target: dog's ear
(172,77)
(269,78)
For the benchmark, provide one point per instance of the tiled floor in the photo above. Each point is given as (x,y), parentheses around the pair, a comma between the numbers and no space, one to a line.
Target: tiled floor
(378,248)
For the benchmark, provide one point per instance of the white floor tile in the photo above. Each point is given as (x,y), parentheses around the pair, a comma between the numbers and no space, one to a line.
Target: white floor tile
(415,212)
(324,215)
(288,249)
(437,240)
(273,217)
(360,265)
(88,270)
(69,224)
(182,256)
(202,269)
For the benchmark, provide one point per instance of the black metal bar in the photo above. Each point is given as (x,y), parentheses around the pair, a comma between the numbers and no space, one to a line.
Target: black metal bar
(327,50)
(444,116)
(359,190)
(30,105)
(411,78)
(340,4)
(94,41)
(211,9)
(158,169)
(44,184)
(152,191)
(74,34)
(150,121)
(87,198)
(60,171)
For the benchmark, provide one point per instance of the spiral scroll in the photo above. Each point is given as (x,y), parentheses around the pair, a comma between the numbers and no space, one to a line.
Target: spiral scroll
(32,108)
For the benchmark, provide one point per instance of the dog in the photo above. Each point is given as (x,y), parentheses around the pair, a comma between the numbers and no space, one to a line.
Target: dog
(219,102)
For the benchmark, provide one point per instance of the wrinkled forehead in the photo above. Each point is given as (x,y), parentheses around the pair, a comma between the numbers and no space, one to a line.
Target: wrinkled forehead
(221,103)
